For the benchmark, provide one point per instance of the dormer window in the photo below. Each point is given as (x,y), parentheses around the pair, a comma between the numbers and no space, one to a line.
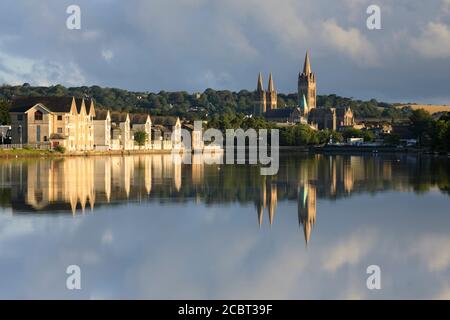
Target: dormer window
(38,116)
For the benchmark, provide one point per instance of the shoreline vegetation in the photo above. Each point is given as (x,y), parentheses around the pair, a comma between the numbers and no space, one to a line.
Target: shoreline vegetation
(232,110)
(327,149)
(37,153)
(209,104)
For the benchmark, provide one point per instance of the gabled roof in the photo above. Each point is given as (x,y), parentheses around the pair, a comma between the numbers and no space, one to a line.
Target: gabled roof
(340,112)
(119,117)
(79,104)
(90,108)
(54,104)
(164,120)
(101,114)
(139,118)
(161,128)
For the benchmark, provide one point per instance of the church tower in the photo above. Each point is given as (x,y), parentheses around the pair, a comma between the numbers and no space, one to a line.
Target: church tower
(307,87)
(271,95)
(260,98)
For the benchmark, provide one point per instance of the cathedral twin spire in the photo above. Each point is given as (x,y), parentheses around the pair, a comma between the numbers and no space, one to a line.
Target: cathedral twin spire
(270,86)
(265,100)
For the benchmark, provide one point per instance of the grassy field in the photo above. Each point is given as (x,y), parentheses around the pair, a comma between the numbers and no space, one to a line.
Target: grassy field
(16,153)
(430,108)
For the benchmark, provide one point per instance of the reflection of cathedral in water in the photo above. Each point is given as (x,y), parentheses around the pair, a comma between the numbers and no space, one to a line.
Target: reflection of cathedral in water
(306,201)
(71,184)
(307,208)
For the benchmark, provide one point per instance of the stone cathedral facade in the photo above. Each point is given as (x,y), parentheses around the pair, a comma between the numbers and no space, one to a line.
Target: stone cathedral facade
(307,87)
(307,111)
(265,100)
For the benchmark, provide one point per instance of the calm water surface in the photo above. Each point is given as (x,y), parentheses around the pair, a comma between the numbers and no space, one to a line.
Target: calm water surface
(144,227)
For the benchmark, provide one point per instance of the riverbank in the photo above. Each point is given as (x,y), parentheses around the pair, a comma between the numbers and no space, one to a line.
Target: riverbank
(35,153)
(358,150)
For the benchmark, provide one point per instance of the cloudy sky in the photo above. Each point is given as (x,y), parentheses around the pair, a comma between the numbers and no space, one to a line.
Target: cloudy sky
(191,45)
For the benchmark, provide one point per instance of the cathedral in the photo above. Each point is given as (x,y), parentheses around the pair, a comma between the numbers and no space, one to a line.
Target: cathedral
(306,112)
(265,100)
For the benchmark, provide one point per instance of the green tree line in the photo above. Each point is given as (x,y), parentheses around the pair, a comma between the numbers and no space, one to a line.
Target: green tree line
(193,106)
(430,133)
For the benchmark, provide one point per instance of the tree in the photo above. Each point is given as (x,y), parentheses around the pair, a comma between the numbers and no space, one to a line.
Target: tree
(4,111)
(422,125)
(392,139)
(140,137)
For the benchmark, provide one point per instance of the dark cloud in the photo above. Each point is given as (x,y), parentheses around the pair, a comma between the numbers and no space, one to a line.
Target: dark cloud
(194,44)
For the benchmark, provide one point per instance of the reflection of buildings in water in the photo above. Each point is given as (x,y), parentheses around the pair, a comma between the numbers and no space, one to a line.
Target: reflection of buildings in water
(74,182)
(273,198)
(66,184)
(306,202)
(267,197)
(55,181)
(197,169)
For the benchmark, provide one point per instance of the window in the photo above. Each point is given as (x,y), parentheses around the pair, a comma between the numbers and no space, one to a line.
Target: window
(19,117)
(59,118)
(45,138)
(38,133)
(60,130)
(38,115)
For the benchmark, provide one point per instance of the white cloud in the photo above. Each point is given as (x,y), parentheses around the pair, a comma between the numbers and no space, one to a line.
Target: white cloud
(444,294)
(350,251)
(107,55)
(17,70)
(107,237)
(434,41)
(350,42)
(433,252)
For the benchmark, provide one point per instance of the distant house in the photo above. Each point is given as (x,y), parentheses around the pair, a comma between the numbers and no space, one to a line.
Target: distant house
(5,134)
(102,130)
(345,117)
(116,137)
(331,118)
(168,130)
(323,118)
(197,143)
(47,122)
(143,123)
(122,131)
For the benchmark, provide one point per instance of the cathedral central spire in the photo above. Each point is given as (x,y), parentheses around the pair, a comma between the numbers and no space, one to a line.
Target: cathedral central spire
(307,64)
(307,86)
